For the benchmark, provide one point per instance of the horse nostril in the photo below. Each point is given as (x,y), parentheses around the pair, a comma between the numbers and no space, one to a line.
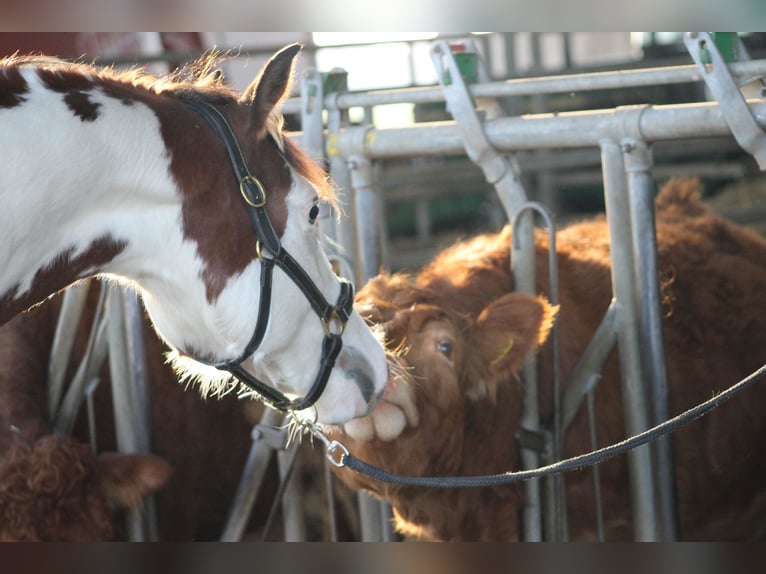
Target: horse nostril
(356,367)
(364,382)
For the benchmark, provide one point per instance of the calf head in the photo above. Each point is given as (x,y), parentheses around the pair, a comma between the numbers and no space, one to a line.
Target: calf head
(452,369)
(57,490)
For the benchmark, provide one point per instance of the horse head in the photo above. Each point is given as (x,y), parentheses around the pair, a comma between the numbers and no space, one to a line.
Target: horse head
(308,304)
(213,221)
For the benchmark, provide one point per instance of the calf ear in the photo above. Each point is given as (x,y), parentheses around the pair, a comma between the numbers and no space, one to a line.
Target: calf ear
(127,478)
(505,331)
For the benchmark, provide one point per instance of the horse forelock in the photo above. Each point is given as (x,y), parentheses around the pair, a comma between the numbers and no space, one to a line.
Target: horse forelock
(309,170)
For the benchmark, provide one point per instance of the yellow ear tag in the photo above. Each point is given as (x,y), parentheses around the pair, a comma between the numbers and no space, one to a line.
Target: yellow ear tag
(503,352)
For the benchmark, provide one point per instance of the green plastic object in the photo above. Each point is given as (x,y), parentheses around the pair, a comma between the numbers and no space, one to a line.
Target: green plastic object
(335,81)
(727,44)
(468,64)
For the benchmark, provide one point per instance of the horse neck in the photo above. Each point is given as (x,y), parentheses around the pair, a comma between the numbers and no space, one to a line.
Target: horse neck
(79,197)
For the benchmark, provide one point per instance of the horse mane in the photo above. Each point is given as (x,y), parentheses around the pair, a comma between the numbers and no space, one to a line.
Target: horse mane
(202,77)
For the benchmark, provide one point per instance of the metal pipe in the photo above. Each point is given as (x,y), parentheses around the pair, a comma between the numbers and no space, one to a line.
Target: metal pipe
(634,395)
(93,358)
(542,131)
(591,408)
(619,79)
(72,305)
(586,374)
(126,373)
(638,162)
(252,477)
(292,498)
(530,418)
(345,230)
(368,216)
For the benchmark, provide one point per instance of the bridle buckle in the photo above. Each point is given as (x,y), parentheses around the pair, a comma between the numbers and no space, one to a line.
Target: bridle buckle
(245,188)
(334,320)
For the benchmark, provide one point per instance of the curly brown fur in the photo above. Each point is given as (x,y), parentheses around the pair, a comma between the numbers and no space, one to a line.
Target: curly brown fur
(51,491)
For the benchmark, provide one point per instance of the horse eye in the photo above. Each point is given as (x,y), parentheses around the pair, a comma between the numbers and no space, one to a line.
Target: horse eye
(445,348)
(313,213)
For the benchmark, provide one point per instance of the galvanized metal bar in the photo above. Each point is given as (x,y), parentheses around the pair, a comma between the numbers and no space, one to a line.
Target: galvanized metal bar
(367,214)
(136,361)
(370,518)
(543,131)
(620,79)
(635,409)
(587,372)
(134,351)
(638,163)
(252,477)
(312,141)
(591,409)
(292,498)
(555,508)
(92,360)
(343,225)
(72,305)
(503,173)
(332,518)
(129,397)
(725,90)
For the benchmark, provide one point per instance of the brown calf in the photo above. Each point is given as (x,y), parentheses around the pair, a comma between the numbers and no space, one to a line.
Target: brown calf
(463,334)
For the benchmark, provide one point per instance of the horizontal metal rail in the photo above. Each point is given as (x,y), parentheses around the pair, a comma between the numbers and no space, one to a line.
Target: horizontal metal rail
(543,131)
(620,79)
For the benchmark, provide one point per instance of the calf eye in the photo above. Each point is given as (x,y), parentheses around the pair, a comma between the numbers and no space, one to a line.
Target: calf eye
(445,348)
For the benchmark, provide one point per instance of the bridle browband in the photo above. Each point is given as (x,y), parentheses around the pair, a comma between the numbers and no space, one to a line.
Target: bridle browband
(333,317)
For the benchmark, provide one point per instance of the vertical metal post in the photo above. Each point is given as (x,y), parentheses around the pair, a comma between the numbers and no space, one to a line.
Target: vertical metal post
(129,396)
(638,162)
(634,395)
(292,498)
(252,477)
(369,218)
(345,227)
(503,172)
(368,214)
(72,305)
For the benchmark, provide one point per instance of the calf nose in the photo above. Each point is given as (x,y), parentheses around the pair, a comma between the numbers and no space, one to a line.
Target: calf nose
(353,364)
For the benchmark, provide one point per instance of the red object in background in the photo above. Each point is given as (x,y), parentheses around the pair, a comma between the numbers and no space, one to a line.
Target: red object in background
(181,41)
(62,44)
(92,44)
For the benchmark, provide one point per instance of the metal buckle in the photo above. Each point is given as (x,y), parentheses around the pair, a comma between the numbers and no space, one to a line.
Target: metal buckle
(333,319)
(243,184)
(258,250)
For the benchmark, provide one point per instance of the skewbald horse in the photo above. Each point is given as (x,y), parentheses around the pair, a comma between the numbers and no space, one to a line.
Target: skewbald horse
(119,174)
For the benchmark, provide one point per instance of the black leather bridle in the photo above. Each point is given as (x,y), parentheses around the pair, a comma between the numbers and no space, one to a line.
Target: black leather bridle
(333,317)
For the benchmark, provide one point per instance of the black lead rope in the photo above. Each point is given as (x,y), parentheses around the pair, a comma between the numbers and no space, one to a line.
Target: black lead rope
(333,317)
(345,458)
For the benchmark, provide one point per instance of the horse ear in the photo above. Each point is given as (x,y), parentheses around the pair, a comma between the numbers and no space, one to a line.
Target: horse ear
(271,86)
(505,331)
(127,478)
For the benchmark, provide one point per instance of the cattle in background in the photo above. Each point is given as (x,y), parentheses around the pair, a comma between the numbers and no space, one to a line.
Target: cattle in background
(53,488)
(462,334)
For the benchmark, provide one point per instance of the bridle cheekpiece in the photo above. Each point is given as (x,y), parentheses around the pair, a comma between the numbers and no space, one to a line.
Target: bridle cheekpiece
(333,317)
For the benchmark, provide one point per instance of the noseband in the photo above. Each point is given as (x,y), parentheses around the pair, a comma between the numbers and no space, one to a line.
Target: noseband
(333,317)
